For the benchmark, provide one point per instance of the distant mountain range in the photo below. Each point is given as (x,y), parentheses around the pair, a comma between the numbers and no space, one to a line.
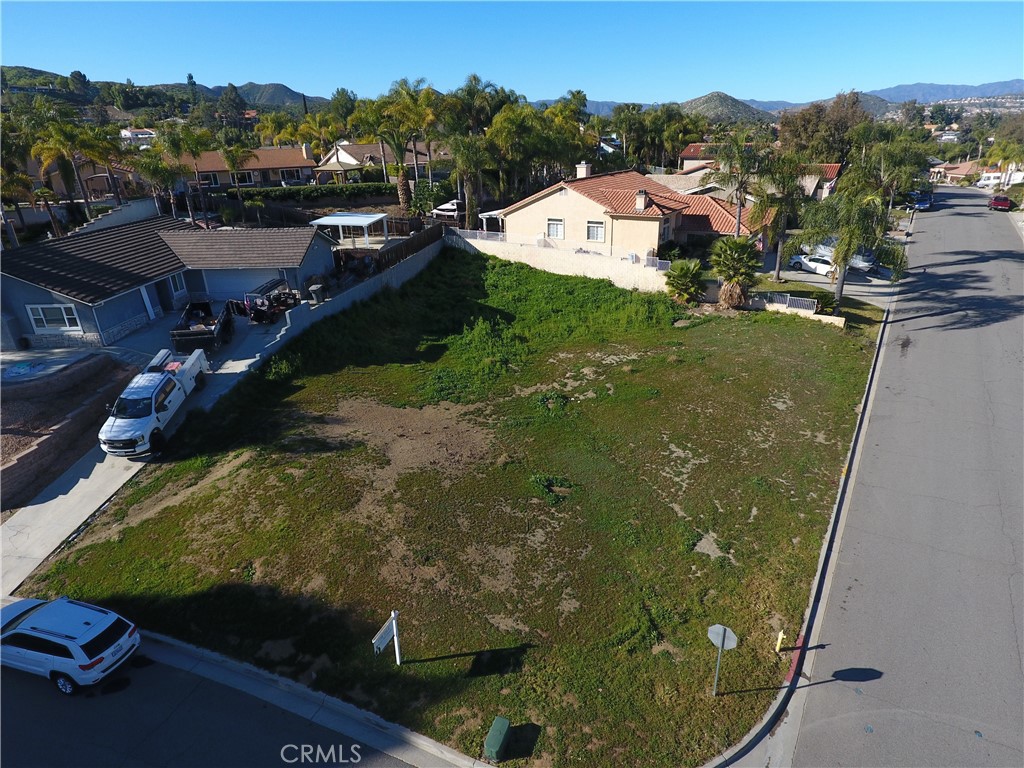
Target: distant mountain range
(270,94)
(716,106)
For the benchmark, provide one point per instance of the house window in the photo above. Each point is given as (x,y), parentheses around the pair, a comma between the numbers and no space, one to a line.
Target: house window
(177,283)
(242,178)
(595,231)
(54,318)
(666,230)
(209,180)
(291,174)
(556,229)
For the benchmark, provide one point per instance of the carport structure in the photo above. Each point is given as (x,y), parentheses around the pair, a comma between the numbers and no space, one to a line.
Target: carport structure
(353,221)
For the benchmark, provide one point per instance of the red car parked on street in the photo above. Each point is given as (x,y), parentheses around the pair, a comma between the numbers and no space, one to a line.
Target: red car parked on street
(1000,203)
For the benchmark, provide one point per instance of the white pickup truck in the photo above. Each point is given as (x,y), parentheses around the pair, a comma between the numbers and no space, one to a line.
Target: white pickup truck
(140,415)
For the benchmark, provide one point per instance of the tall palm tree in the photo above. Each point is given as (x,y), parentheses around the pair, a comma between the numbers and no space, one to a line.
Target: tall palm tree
(367,121)
(15,187)
(779,194)
(161,175)
(236,158)
(470,155)
(405,103)
(272,126)
(191,142)
(103,147)
(739,157)
(320,131)
(60,143)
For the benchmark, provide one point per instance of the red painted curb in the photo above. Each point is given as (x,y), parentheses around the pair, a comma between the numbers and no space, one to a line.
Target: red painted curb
(796,658)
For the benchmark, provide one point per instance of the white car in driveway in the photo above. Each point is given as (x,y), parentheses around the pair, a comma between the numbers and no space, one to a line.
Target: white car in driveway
(861,261)
(70,642)
(819,265)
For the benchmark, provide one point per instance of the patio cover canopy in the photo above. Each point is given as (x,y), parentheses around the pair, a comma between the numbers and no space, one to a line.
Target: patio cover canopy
(361,220)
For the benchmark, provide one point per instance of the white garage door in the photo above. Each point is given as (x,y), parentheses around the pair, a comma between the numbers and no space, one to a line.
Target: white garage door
(233,283)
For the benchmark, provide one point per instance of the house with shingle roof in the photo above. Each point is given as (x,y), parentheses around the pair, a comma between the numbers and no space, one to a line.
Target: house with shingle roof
(619,212)
(94,288)
(344,157)
(271,167)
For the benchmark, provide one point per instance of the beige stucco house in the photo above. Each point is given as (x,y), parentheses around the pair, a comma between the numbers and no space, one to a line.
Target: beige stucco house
(611,213)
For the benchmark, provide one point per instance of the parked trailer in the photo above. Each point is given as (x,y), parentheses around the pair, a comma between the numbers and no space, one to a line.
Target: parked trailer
(138,420)
(200,327)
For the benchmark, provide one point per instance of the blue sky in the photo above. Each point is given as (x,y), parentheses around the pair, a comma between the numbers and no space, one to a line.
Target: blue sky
(614,51)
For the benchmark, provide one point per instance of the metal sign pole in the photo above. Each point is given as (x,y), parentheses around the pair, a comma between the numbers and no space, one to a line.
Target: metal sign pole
(718,664)
(394,626)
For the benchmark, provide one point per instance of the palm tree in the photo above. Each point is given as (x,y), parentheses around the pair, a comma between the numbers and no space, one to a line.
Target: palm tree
(735,260)
(103,147)
(59,144)
(272,127)
(683,280)
(319,130)
(779,194)
(739,157)
(17,188)
(470,154)
(236,158)
(407,105)
(191,142)
(161,175)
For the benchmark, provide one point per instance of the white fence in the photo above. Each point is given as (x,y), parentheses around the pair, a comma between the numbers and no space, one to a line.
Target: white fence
(625,269)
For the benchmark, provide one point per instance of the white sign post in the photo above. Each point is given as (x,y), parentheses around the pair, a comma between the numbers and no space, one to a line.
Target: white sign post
(384,636)
(724,639)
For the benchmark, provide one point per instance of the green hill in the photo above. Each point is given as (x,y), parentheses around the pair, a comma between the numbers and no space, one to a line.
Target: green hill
(720,107)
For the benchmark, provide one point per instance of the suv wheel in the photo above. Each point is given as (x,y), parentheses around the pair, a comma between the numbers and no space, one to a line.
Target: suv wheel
(65,684)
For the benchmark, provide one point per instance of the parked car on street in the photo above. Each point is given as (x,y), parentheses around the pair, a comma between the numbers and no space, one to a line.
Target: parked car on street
(1000,203)
(72,643)
(920,201)
(819,265)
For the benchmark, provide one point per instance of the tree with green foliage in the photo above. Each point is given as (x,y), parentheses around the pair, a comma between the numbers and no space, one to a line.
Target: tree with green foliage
(736,260)
(684,280)
(161,174)
(58,144)
(192,142)
(193,90)
(102,145)
(778,193)
(231,106)
(739,158)
(320,131)
(235,159)
(470,155)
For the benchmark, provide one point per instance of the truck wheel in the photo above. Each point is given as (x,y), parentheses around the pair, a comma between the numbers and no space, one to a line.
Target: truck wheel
(200,380)
(157,442)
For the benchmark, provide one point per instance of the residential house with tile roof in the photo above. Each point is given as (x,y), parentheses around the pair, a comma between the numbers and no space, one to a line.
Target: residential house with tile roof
(619,213)
(93,288)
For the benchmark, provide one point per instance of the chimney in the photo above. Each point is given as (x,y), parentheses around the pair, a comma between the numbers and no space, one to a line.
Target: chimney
(583,170)
(641,199)
(307,152)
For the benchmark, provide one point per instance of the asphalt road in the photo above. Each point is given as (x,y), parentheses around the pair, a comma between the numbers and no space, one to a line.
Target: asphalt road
(917,652)
(151,715)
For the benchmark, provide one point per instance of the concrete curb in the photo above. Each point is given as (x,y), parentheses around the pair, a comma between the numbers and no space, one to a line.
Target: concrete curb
(319,708)
(819,596)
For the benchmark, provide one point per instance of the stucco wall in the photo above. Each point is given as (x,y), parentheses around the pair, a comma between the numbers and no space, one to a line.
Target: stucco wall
(618,269)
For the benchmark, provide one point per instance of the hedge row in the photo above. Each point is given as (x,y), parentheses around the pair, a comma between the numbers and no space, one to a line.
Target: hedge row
(309,194)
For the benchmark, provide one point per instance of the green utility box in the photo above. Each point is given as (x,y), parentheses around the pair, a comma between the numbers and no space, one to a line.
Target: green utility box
(497,738)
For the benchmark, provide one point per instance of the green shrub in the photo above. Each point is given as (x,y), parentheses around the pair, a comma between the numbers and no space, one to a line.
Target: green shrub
(684,281)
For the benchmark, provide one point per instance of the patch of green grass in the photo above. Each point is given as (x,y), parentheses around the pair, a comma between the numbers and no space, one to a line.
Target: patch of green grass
(560,585)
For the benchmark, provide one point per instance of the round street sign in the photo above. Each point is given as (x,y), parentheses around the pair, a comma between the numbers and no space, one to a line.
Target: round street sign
(722,637)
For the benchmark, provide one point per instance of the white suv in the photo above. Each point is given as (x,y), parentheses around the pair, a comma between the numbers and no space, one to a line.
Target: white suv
(71,643)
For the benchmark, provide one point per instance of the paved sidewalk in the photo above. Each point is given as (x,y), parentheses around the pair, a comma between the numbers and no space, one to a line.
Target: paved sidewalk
(319,708)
